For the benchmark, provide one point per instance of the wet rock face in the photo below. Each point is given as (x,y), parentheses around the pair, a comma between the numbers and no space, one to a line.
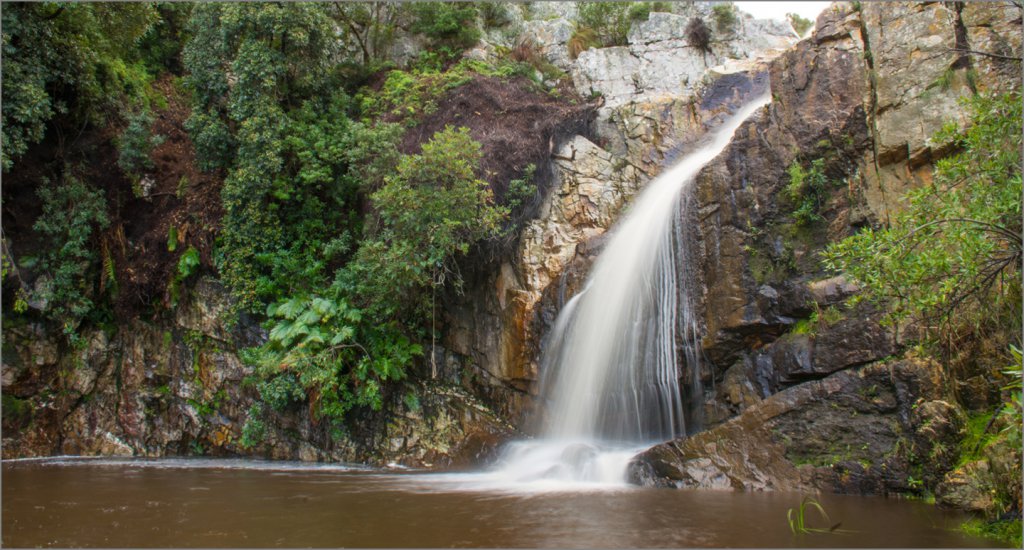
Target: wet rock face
(499,330)
(179,388)
(862,95)
(817,109)
(852,431)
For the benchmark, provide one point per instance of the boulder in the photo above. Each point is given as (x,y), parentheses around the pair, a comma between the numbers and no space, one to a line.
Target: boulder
(846,432)
(968,487)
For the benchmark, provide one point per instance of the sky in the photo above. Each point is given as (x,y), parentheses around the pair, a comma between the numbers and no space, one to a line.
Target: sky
(778,10)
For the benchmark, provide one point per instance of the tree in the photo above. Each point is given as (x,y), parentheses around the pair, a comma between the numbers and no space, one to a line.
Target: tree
(371,26)
(268,110)
(71,212)
(451,26)
(432,209)
(76,60)
(958,241)
(611,21)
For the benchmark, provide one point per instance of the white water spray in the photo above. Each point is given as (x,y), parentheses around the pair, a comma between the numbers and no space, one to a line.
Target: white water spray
(611,365)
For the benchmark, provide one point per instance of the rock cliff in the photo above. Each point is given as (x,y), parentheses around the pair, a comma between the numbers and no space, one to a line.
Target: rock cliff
(793,372)
(862,95)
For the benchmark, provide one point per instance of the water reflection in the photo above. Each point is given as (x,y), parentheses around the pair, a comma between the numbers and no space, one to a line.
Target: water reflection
(251,504)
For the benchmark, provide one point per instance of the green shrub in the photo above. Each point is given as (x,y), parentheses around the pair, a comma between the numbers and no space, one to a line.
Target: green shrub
(611,21)
(725,17)
(495,14)
(451,26)
(808,191)
(430,210)
(521,188)
(135,144)
(957,242)
(71,212)
(325,346)
(254,429)
(800,24)
(281,391)
(78,60)
(582,39)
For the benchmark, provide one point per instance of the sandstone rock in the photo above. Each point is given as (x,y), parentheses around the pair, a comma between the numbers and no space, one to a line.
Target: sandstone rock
(818,90)
(659,61)
(550,36)
(918,79)
(507,29)
(938,428)
(831,291)
(208,303)
(993,28)
(737,389)
(842,428)
(977,393)
(969,488)
(737,456)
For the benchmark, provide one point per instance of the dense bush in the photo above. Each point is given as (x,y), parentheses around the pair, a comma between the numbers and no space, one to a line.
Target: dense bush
(71,214)
(958,239)
(77,60)
(299,170)
(611,21)
(725,17)
(282,133)
(807,190)
(430,210)
(451,26)
(135,144)
(322,349)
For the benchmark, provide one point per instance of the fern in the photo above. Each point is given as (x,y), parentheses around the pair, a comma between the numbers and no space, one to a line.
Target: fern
(109,273)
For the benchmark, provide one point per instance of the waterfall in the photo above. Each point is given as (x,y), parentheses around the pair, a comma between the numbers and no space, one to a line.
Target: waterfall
(611,370)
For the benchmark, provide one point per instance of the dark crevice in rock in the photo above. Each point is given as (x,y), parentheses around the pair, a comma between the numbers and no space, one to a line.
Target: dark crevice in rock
(962,45)
(872,114)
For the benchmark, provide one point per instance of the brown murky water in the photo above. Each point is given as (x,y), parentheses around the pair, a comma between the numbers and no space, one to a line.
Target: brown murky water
(189,503)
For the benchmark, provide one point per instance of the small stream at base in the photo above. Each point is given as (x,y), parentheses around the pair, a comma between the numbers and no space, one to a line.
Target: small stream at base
(242,503)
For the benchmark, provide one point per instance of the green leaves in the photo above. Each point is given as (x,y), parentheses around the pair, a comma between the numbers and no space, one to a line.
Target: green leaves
(71,212)
(188,264)
(808,191)
(281,130)
(958,240)
(431,210)
(74,59)
(451,25)
(336,360)
(135,144)
(611,21)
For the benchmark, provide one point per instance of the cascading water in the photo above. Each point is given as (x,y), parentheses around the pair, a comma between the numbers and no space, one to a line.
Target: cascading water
(611,375)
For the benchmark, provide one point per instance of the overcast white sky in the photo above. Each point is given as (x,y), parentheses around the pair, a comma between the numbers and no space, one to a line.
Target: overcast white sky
(778,10)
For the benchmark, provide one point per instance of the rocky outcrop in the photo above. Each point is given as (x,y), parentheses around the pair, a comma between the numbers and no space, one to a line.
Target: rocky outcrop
(178,387)
(853,431)
(987,478)
(495,332)
(920,63)
(806,394)
(659,59)
(817,110)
